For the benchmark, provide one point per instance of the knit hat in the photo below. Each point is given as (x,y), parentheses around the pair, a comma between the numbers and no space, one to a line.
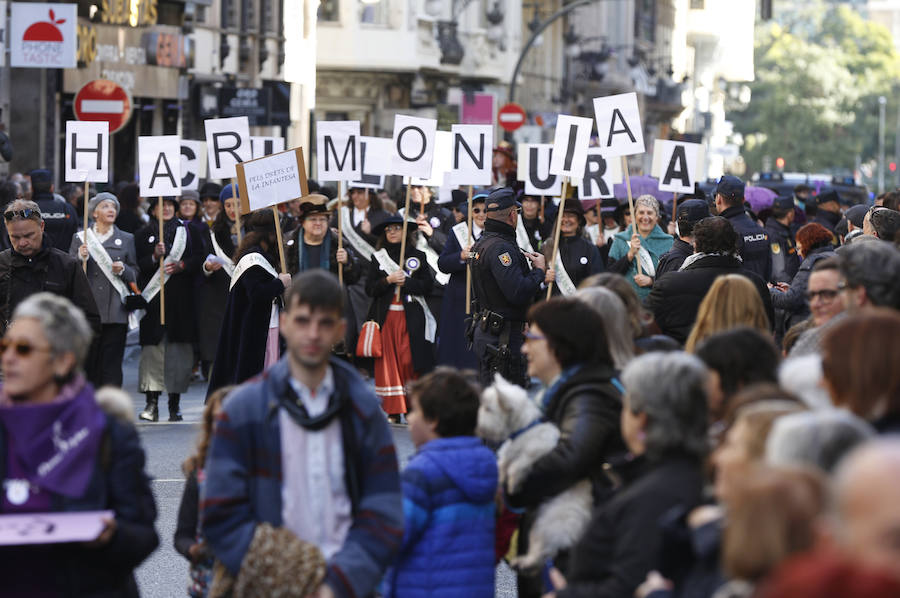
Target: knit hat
(100,198)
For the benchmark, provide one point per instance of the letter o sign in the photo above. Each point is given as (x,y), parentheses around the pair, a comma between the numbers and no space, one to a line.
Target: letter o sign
(409,146)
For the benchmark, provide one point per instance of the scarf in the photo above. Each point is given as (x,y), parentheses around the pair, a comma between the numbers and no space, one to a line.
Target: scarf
(325,257)
(56,443)
(295,408)
(554,387)
(696,256)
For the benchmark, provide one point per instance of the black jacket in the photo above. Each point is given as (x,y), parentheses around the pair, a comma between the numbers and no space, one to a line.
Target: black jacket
(793,301)
(48,270)
(753,242)
(587,410)
(785,259)
(622,542)
(579,256)
(419,282)
(440,219)
(676,296)
(501,280)
(671,260)
(60,219)
(352,268)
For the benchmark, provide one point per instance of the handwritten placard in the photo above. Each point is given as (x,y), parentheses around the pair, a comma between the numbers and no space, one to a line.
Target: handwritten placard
(272,180)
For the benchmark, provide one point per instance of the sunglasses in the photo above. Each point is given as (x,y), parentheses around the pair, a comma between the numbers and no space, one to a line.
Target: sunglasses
(24,214)
(477,210)
(21,348)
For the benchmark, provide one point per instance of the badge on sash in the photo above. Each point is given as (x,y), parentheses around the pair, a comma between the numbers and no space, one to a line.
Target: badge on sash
(505,259)
(118,242)
(435,222)
(583,260)
(413,264)
(151,239)
(17,491)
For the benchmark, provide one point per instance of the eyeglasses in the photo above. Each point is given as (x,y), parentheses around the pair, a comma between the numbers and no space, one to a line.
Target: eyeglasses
(23,214)
(825,294)
(392,228)
(22,348)
(534,337)
(477,210)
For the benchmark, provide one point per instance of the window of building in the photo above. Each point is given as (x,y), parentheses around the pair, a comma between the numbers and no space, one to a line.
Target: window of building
(328,10)
(698,4)
(645,20)
(373,12)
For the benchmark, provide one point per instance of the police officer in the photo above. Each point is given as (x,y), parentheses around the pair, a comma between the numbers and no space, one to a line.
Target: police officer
(779,227)
(828,211)
(504,289)
(753,242)
(60,217)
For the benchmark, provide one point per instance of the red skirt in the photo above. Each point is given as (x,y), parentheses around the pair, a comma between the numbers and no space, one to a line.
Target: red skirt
(395,366)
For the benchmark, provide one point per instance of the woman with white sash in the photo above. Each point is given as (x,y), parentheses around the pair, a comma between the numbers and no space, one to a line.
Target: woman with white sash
(452,346)
(220,243)
(167,352)
(577,258)
(248,341)
(111,266)
(408,327)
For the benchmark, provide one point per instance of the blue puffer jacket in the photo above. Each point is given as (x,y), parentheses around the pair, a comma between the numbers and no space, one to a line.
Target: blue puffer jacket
(448,510)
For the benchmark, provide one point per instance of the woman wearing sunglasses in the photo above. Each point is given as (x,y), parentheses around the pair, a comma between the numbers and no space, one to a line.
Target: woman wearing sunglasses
(452,346)
(64,448)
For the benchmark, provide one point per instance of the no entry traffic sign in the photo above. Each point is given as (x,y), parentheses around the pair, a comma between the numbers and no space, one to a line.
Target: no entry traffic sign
(102,100)
(511,116)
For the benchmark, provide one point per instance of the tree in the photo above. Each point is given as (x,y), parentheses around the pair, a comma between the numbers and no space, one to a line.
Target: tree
(815,98)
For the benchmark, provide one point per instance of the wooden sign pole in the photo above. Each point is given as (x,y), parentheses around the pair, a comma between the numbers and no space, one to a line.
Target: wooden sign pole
(340,212)
(468,263)
(405,223)
(237,211)
(675,206)
(631,208)
(162,268)
(280,240)
(84,201)
(559,217)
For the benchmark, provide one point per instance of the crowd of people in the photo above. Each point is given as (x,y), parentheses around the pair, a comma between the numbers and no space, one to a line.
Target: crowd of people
(717,386)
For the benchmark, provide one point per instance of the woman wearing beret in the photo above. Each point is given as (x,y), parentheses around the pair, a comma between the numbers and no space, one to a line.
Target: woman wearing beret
(408,327)
(111,268)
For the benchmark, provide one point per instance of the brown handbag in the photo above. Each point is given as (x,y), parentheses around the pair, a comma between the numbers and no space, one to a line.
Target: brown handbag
(369,343)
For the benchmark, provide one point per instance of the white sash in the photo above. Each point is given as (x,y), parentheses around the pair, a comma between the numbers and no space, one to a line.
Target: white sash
(100,256)
(390,266)
(247,262)
(563,281)
(522,239)
(431,257)
(646,262)
(593,232)
(358,243)
(178,245)
(227,263)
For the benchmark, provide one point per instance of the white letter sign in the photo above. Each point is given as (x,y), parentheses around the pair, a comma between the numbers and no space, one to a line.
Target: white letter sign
(534,169)
(337,150)
(573,135)
(472,153)
(266,146)
(599,177)
(43,35)
(676,164)
(87,151)
(619,125)
(375,162)
(440,161)
(193,163)
(412,149)
(272,180)
(159,165)
(227,144)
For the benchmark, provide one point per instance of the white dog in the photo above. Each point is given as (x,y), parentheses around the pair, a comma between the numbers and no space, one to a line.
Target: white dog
(507,414)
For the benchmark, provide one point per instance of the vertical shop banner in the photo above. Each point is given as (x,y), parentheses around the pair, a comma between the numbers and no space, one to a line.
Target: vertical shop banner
(43,35)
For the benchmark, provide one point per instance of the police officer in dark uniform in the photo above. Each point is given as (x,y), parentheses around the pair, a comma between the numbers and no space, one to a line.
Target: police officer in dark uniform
(779,227)
(753,242)
(828,211)
(60,217)
(504,289)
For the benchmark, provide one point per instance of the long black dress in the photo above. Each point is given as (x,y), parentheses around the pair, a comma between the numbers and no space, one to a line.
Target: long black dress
(452,346)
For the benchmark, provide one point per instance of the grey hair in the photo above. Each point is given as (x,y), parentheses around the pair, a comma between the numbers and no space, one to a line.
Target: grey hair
(876,267)
(65,326)
(670,388)
(819,438)
(649,201)
(615,320)
(24,204)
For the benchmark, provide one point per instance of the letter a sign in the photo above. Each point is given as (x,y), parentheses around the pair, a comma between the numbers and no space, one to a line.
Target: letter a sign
(337,150)
(619,127)
(677,164)
(159,164)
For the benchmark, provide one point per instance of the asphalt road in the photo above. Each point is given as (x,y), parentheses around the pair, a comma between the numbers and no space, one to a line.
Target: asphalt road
(165,573)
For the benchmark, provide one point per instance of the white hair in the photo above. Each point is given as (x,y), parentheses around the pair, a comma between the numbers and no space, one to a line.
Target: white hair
(803,377)
(64,325)
(615,321)
(820,438)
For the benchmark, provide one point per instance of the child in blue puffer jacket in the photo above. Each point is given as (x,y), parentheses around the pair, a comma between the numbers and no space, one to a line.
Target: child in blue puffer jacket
(448,496)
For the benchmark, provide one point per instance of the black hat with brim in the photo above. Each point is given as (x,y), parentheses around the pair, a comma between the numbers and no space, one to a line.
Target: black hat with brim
(378,229)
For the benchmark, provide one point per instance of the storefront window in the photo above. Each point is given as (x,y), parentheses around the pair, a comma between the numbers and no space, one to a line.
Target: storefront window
(329,10)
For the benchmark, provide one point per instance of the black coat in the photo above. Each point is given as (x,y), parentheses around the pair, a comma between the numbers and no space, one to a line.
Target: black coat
(181,324)
(785,260)
(241,351)
(753,242)
(672,260)
(418,283)
(676,296)
(452,346)
(440,219)
(48,270)
(188,520)
(793,301)
(211,293)
(118,484)
(622,542)
(352,268)
(579,256)
(61,219)
(375,217)
(587,409)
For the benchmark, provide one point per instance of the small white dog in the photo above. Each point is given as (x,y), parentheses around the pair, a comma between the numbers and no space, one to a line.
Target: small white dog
(507,415)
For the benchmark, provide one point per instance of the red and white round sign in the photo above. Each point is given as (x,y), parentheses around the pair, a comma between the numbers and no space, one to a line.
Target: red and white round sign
(102,100)
(511,116)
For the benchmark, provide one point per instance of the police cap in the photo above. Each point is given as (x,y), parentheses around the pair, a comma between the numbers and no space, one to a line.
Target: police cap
(500,199)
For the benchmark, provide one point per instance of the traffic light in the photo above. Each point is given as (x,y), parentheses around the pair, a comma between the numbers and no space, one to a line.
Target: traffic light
(779,163)
(892,166)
